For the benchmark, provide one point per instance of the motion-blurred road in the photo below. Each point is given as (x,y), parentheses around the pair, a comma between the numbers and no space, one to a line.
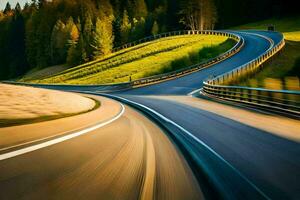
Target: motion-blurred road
(133,159)
(130,158)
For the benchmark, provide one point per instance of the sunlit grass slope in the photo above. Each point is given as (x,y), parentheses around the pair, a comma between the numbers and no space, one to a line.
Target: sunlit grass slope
(290,27)
(137,62)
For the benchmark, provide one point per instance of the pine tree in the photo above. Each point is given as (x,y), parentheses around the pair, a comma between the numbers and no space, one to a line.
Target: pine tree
(18,8)
(74,47)
(117,32)
(58,43)
(141,9)
(18,64)
(210,14)
(138,30)
(31,40)
(102,37)
(7,9)
(87,34)
(125,27)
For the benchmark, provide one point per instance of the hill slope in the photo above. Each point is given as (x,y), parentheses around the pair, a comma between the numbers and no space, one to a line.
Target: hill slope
(144,60)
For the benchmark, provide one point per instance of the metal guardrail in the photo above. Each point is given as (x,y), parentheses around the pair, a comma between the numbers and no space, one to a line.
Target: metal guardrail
(281,100)
(196,67)
(157,78)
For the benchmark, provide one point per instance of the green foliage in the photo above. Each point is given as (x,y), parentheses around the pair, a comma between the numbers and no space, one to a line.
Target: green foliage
(155,28)
(203,54)
(103,37)
(58,43)
(198,14)
(141,61)
(138,29)
(125,27)
(41,37)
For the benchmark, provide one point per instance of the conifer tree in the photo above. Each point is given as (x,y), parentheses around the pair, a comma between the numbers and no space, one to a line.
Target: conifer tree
(103,37)
(58,43)
(87,34)
(7,9)
(125,27)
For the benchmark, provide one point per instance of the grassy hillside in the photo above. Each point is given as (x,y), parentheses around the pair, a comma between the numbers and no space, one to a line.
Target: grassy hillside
(143,60)
(283,72)
(290,27)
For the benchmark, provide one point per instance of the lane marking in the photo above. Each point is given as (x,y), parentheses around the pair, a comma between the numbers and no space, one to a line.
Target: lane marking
(191,94)
(270,40)
(61,139)
(189,134)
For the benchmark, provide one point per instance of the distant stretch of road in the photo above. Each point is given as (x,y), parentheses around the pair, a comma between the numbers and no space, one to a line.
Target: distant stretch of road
(271,163)
(267,158)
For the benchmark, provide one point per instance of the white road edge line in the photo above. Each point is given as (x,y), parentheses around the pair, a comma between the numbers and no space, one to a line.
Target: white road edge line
(59,140)
(194,92)
(192,136)
(191,94)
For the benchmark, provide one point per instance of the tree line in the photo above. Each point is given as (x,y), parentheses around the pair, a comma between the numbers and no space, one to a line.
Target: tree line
(45,33)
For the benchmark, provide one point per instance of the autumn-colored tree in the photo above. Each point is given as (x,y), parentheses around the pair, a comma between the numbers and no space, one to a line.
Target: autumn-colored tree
(103,37)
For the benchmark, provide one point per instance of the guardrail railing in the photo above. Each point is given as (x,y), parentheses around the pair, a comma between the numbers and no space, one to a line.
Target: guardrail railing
(162,77)
(196,67)
(282,100)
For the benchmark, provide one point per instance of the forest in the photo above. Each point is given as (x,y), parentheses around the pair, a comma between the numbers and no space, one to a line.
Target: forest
(46,33)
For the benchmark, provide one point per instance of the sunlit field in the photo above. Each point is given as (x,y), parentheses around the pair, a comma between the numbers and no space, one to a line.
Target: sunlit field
(143,60)
(23,105)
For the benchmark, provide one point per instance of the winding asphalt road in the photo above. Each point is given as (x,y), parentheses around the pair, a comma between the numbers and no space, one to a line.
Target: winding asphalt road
(127,157)
(269,162)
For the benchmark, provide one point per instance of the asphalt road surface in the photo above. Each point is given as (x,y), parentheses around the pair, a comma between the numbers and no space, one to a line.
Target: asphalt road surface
(130,158)
(270,162)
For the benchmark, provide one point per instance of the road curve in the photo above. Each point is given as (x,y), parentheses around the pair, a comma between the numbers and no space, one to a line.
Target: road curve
(254,46)
(130,158)
(268,161)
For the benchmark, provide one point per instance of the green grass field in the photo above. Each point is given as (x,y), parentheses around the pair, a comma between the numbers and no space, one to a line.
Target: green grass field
(283,72)
(144,60)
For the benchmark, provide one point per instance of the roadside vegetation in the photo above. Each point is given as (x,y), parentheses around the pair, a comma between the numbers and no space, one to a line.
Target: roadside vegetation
(151,58)
(43,33)
(282,72)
